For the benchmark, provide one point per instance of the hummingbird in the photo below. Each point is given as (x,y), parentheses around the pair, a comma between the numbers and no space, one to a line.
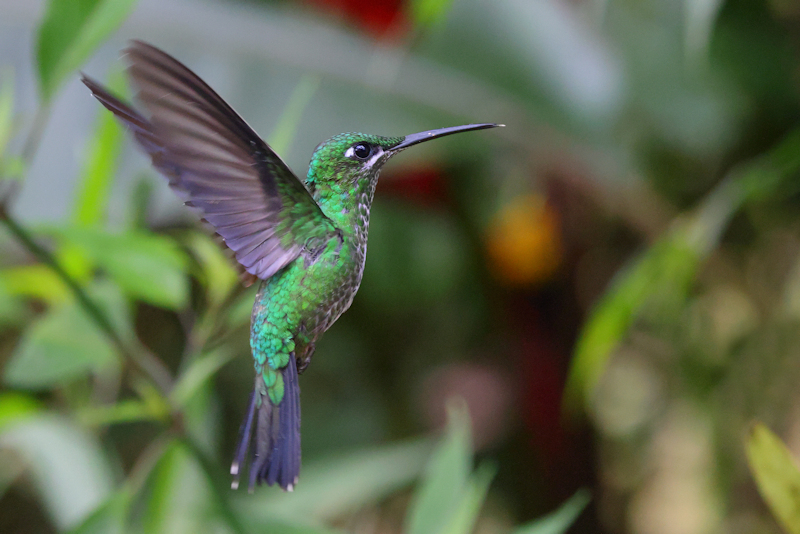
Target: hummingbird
(306,241)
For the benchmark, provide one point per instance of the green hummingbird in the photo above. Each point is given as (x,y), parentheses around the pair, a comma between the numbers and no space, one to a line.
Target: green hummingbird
(305,240)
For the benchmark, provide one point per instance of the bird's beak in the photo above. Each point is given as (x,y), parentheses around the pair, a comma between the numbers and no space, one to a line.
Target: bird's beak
(413,139)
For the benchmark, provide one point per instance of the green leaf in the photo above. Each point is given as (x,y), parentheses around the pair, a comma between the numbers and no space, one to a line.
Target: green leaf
(285,130)
(463,519)
(108,518)
(15,407)
(91,202)
(180,499)
(68,468)
(446,476)
(13,310)
(331,487)
(217,274)
(429,12)
(6,110)
(199,371)
(666,269)
(36,281)
(147,266)
(63,344)
(70,32)
(776,474)
(94,185)
(559,521)
(97,176)
(124,411)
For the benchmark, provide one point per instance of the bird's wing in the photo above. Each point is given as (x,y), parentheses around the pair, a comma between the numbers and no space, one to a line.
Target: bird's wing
(218,163)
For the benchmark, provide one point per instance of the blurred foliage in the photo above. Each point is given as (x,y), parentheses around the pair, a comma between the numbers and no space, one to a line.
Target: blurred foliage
(776,474)
(610,284)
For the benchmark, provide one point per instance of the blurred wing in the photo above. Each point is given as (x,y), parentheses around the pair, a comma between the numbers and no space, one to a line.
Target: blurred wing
(218,163)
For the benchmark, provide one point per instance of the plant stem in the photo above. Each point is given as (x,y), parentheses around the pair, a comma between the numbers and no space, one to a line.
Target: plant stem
(148,363)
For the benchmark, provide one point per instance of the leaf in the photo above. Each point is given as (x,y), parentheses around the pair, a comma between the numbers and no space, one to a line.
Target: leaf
(465,515)
(666,269)
(108,518)
(13,310)
(6,110)
(36,281)
(429,12)
(147,266)
(328,488)
(15,407)
(94,185)
(97,176)
(124,411)
(446,476)
(559,521)
(68,468)
(63,344)
(776,475)
(70,32)
(182,498)
(199,371)
(217,274)
(285,130)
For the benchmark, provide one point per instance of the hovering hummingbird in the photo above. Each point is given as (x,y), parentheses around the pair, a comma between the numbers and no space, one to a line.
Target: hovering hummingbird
(306,241)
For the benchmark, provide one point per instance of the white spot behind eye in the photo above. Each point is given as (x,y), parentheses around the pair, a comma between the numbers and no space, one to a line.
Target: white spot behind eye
(350,152)
(378,153)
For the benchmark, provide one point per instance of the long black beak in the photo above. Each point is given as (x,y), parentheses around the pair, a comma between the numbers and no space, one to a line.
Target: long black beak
(413,139)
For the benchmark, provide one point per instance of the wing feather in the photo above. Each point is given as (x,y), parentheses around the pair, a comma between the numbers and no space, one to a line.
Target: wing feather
(218,163)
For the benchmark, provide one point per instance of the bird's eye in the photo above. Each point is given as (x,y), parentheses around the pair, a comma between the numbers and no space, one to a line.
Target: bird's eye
(362,150)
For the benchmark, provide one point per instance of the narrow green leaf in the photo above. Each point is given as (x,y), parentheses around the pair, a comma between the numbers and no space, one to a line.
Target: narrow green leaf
(333,486)
(34,281)
(15,407)
(199,371)
(446,476)
(217,273)
(6,109)
(465,515)
(68,468)
(429,12)
(559,521)
(70,32)
(63,344)
(147,266)
(124,411)
(13,310)
(176,482)
(285,130)
(667,269)
(776,475)
(109,518)
(97,176)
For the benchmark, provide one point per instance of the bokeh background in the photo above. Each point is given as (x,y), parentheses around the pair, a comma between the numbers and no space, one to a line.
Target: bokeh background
(593,310)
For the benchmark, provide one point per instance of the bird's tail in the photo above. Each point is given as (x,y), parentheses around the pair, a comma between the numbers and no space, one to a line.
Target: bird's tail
(276,454)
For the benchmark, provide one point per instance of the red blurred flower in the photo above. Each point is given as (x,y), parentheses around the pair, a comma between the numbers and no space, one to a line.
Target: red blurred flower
(380,19)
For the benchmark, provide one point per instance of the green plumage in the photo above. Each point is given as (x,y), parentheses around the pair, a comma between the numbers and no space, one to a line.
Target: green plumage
(306,241)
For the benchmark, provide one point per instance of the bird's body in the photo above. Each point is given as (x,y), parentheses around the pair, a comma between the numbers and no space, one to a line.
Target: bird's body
(306,241)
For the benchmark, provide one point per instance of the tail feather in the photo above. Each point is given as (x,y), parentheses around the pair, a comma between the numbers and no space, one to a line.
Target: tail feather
(276,453)
(284,465)
(245,432)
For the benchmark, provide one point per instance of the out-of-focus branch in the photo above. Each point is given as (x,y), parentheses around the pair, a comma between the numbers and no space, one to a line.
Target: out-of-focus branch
(148,363)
